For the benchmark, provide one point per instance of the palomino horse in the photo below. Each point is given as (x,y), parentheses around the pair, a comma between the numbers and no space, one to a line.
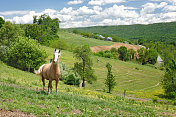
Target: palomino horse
(50,71)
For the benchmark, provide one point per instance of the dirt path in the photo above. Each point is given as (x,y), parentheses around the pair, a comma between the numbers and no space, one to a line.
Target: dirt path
(116,45)
(14,113)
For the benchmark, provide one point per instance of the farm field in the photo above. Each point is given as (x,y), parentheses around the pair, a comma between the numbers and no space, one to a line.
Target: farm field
(115,45)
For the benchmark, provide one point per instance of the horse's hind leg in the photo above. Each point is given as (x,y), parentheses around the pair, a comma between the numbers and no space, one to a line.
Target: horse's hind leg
(43,80)
(50,86)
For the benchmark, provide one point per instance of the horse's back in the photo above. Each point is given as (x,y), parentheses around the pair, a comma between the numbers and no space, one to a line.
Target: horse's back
(49,73)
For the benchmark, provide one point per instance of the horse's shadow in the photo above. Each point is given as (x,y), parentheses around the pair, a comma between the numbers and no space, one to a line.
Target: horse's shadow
(41,92)
(45,93)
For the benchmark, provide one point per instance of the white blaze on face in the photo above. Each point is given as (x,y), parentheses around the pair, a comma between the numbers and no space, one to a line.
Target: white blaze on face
(56,55)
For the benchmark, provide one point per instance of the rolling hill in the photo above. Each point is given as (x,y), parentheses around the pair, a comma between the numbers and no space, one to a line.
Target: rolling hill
(20,91)
(157,31)
(77,40)
(21,95)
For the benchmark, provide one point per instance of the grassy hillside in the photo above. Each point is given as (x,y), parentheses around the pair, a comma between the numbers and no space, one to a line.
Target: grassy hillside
(158,31)
(77,40)
(21,91)
(141,81)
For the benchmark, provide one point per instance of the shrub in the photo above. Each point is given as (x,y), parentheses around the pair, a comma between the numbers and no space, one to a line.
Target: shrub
(174,102)
(136,68)
(108,55)
(24,53)
(171,95)
(100,53)
(3,53)
(72,79)
(169,80)
(155,100)
(113,50)
(65,70)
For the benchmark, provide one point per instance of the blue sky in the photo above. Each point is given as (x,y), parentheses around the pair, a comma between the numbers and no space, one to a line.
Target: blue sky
(83,13)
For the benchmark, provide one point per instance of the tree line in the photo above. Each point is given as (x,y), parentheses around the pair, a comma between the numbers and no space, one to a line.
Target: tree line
(164,32)
(20,44)
(97,36)
(142,55)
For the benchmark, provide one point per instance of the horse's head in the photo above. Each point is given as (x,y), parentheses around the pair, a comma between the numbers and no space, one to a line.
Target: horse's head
(57,53)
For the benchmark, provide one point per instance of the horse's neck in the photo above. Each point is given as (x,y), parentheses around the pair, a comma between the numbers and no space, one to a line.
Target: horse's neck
(54,67)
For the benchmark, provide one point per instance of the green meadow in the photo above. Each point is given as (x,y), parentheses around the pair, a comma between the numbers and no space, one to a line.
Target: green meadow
(23,90)
(77,40)
(136,79)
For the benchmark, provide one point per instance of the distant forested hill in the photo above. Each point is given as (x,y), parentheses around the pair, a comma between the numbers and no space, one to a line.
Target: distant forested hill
(157,31)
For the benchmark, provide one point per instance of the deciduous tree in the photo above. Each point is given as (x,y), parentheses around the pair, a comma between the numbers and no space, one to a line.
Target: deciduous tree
(122,53)
(84,67)
(9,32)
(2,21)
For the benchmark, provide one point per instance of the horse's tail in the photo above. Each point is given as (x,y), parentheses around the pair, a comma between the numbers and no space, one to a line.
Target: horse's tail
(39,71)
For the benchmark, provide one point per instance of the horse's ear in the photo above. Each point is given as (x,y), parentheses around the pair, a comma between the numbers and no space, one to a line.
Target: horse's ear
(59,51)
(55,49)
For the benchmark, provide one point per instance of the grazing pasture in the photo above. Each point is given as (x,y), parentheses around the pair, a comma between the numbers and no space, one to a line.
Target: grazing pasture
(20,92)
(137,79)
(77,40)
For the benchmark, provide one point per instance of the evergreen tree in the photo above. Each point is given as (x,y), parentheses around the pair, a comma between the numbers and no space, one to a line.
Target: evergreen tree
(110,80)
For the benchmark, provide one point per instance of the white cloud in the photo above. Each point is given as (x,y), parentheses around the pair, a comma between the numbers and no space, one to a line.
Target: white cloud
(66,10)
(169,8)
(97,8)
(109,15)
(171,1)
(84,10)
(104,2)
(26,19)
(75,2)
(119,11)
(14,12)
(150,7)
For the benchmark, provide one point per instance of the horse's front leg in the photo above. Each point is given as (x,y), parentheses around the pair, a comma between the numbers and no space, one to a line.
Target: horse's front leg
(56,84)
